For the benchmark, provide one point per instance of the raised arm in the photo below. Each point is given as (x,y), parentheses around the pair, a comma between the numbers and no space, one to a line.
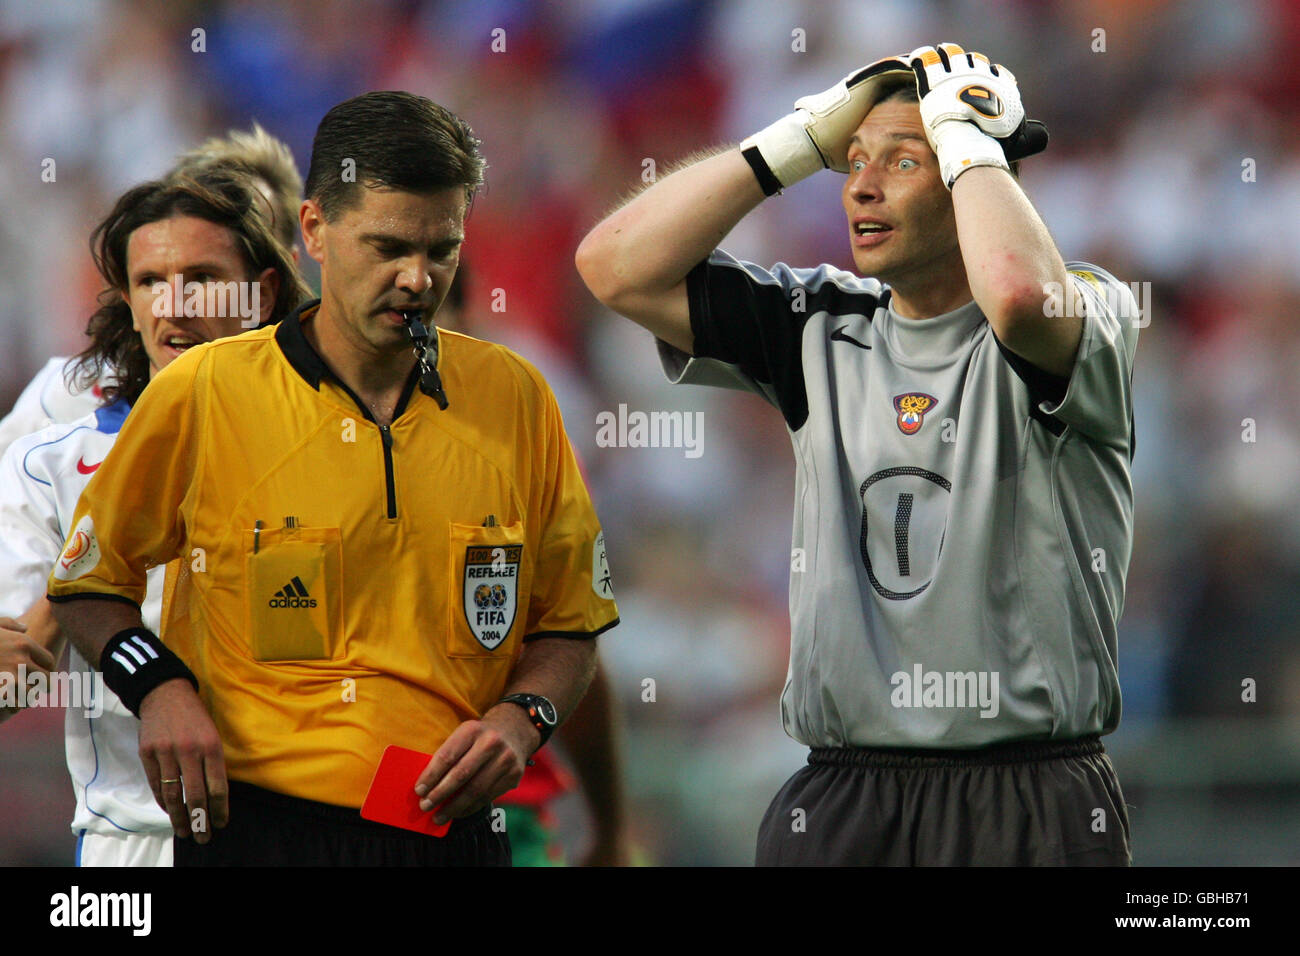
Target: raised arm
(1014,270)
(636,260)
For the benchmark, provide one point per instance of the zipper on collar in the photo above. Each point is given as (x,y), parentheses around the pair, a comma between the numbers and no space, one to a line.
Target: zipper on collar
(385,434)
(390,484)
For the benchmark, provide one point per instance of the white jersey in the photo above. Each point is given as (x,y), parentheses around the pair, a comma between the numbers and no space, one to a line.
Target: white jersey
(47,400)
(42,476)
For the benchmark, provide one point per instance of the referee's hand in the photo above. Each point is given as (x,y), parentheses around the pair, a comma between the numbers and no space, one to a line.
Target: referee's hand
(482,759)
(182,758)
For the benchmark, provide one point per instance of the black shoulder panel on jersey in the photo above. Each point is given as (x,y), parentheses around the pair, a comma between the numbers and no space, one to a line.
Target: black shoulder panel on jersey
(755,325)
(828,297)
(1132,437)
(750,324)
(89,596)
(1043,387)
(1132,424)
(1050,422)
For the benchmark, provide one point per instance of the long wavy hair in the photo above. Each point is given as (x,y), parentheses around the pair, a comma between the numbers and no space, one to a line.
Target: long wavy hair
(224,197)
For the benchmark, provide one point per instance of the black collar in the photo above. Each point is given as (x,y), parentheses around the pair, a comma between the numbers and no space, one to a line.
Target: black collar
(306,361)
(293,343)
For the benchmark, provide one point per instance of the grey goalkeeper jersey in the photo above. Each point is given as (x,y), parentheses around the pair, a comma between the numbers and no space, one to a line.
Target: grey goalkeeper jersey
(963,520)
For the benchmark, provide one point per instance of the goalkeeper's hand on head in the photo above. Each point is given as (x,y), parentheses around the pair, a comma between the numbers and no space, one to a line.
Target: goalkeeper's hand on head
(816,135)
(967,104)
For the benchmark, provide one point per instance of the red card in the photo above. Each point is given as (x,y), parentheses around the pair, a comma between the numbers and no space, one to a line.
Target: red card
(391,798)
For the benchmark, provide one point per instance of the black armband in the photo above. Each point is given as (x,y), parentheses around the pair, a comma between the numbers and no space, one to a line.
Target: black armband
(767,180)
(135,661)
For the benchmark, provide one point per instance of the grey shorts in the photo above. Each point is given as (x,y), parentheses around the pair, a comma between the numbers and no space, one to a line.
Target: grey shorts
(1049,803)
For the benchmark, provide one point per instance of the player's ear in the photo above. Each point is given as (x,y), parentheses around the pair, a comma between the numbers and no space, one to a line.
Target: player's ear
(269,281)
(126,301)
(312,221)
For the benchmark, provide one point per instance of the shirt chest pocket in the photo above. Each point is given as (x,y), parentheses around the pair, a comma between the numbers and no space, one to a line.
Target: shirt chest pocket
(487,605)
(293,596)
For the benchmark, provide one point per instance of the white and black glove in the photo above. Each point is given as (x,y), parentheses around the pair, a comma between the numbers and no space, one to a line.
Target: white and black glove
(815,136)
(967,105)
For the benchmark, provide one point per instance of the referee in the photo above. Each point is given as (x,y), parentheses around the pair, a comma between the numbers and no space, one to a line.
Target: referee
(377,548)
(961,416)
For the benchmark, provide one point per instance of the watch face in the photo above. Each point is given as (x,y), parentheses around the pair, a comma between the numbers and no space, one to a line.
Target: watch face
(546,710)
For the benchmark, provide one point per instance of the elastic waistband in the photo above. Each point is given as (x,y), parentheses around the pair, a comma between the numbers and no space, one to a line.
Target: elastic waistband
(335,815)
(915,758)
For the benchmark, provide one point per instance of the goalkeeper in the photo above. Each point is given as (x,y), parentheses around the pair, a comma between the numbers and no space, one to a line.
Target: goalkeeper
(961,416)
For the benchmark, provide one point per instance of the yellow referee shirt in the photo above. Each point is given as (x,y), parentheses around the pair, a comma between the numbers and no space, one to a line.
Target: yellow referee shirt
(344,585)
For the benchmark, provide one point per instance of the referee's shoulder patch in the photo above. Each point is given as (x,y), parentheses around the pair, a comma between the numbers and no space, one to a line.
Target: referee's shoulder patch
(80,554)
(601,581)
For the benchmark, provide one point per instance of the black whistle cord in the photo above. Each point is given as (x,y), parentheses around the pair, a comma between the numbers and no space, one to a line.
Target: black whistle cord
(430,380)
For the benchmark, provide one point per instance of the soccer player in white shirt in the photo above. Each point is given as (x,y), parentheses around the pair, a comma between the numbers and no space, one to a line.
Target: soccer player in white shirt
(212,227)
(66,389)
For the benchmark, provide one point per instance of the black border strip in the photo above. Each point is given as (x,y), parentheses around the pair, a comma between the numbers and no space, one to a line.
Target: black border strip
(84,595)
(570,635)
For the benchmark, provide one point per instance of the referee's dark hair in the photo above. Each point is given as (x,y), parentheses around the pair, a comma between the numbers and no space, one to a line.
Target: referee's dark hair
(393,139)
(221,196)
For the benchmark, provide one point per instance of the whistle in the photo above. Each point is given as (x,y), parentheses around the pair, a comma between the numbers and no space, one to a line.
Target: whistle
(430,380)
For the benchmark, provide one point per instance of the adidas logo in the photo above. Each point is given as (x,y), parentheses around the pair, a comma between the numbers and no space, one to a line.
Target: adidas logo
(293,594)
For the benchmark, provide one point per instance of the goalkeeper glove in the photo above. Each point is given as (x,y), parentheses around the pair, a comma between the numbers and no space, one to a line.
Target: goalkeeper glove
(967,105)
(816,135)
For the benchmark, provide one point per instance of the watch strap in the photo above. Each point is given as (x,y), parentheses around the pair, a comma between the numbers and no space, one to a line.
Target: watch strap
(531,704)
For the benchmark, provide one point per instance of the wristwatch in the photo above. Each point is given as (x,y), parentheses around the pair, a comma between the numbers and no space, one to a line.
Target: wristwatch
(541,712)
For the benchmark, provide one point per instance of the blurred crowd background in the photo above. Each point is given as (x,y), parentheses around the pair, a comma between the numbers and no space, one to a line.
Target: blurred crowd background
(1174,161)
